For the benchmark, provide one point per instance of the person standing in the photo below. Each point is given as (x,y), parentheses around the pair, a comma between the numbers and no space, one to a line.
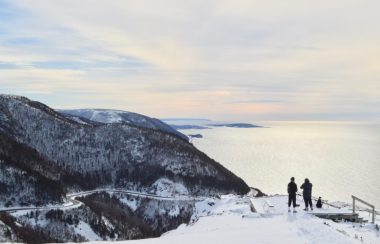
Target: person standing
(292,190)
(307,187)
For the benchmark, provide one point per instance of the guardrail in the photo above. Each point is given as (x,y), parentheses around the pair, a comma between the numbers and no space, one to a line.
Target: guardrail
(366,203)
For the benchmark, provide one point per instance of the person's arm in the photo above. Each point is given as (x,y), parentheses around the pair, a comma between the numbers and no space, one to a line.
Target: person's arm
(302,186)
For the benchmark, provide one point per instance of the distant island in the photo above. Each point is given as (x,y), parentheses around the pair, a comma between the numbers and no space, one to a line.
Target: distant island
(236,125)
(200,124)
(184,119)
(195,136)
(189,127)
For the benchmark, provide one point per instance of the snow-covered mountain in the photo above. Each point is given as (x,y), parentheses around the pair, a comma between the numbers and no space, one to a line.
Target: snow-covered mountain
(108,116)
(86,156)
(44,155)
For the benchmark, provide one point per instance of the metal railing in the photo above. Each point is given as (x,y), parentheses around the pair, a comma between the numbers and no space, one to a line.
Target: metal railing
(366,203)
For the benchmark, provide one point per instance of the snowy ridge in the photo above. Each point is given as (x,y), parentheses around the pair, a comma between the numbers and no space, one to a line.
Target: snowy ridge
(109,116)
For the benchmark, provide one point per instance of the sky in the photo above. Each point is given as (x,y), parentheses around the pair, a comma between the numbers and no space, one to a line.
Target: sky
(241,60)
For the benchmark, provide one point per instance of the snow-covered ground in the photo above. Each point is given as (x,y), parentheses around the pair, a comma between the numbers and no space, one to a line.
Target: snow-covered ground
(167,188)
(230,219)
(85,230)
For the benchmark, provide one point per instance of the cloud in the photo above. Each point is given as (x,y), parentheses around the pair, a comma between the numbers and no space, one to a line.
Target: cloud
(220,59)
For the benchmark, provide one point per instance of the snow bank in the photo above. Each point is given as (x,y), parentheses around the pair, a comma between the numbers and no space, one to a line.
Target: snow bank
(230,219)
(167,188)
(130,202)
(86,231)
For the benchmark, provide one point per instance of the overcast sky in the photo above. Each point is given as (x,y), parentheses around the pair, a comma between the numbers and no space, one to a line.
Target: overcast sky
(225,60)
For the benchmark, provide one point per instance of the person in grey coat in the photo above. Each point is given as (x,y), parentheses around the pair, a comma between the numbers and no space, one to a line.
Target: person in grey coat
(307,188)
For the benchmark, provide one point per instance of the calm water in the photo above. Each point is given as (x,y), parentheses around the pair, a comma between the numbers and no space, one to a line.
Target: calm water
(340,159)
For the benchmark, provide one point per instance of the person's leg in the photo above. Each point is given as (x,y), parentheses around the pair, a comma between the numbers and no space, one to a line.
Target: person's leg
(306,202)
(310,203)
(290,199)
(294,203)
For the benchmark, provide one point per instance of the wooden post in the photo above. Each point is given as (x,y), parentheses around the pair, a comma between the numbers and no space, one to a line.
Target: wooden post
(373,214)
(366,203)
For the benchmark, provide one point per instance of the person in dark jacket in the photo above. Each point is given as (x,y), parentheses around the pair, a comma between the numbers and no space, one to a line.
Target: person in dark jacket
(307,187)
(292,190)
(319,203)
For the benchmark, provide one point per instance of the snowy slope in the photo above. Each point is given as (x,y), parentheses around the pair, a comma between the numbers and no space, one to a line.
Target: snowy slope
(230,219)
(108,116)
(167,188)
(85,230)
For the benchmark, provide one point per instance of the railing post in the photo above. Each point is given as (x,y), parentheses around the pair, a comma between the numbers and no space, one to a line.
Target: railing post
(373,215)
(366,203)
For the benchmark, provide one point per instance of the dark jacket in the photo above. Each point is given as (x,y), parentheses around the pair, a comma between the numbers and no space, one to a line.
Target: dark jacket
(292,188)
(307,186)
(319,203)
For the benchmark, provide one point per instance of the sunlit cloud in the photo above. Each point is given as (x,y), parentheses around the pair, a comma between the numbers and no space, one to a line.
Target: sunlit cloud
(239,60)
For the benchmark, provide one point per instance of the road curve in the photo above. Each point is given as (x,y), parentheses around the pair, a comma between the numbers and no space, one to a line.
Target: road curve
(71,202)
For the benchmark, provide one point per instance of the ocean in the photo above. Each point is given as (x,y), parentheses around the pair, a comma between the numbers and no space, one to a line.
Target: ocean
(340,158)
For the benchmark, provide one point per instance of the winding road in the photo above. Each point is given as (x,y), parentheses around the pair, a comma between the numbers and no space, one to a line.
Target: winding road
(71,202)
